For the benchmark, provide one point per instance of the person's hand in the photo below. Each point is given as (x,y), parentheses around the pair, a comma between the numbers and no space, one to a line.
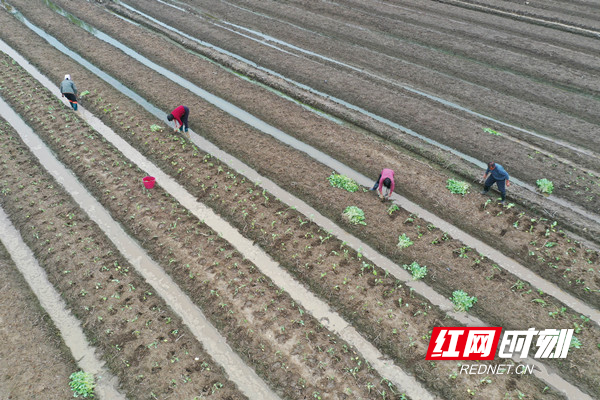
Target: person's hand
(507,183)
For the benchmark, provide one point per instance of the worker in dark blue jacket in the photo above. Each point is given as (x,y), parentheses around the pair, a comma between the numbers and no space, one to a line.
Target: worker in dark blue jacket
(495,173)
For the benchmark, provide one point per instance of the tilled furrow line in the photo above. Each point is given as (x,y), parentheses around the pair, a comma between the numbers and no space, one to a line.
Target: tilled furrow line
(286,345)
(143,343)
(30,341)
(361,271)
(569,182)
(319,188)
(404,57)
(161,150)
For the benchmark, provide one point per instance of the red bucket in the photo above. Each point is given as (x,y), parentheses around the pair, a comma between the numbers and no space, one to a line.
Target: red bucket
(149,182)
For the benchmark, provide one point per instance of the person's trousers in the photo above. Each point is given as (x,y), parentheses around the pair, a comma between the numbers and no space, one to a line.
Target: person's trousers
(377,183)
(184,119)
(500,184)
(72,99)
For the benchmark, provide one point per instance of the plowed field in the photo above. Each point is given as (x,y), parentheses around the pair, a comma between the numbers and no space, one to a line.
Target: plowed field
(375,85)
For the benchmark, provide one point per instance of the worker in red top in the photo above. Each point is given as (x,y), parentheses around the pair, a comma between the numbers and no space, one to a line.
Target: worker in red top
(386,178)
(180,115)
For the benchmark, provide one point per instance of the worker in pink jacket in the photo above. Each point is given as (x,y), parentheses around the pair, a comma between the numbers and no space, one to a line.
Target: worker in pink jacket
(386,178)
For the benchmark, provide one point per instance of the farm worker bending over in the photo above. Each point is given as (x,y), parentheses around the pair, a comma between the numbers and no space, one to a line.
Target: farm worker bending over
(386,178)
(180,115)
(69,90)
(495,174)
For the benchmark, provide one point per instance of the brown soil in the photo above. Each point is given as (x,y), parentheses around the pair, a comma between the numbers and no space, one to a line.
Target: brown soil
(290,349)
(143,343)
(172,237)
(517,97)
(301,247)
(34,361)
(416,180)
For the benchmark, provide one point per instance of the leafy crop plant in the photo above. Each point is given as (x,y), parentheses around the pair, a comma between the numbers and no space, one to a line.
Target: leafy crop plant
(462,301)
(82,384)
(404,241)
(343,182)
(417,271)
(355,215)
(492,132)
(457,187)
(545,186)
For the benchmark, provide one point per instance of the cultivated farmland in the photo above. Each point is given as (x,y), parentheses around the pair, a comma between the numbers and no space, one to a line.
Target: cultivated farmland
(245,224)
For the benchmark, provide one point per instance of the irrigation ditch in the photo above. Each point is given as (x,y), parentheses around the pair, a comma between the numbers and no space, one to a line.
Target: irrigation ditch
(362,292)
(148,269)
(568,213)
(29,338)
(193,272)
(452,129)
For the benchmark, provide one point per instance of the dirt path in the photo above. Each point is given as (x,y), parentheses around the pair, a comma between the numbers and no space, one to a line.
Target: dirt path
(134,331)
(34,361)
(578,184)
(375,50)
(259,223)
(181,225)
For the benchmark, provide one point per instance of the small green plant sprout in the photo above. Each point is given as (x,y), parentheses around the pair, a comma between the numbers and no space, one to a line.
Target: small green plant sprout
(457,187)
(354,215)
(82,384)
(404,241)
(417,271)
(462,301)
(392,209)
(545,186)
(343,182)
(156,128)
(492,132)
(84,93)
(576,343)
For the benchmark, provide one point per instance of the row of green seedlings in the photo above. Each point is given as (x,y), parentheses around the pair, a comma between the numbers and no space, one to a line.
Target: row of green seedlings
(461,300)
(550,260)
(225,274)
(35,232)
(162,145)
(586,183)
(544,185)
(265,199)
(551,247)
(81,292)
(547,187)
(113,164)
(460,187)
